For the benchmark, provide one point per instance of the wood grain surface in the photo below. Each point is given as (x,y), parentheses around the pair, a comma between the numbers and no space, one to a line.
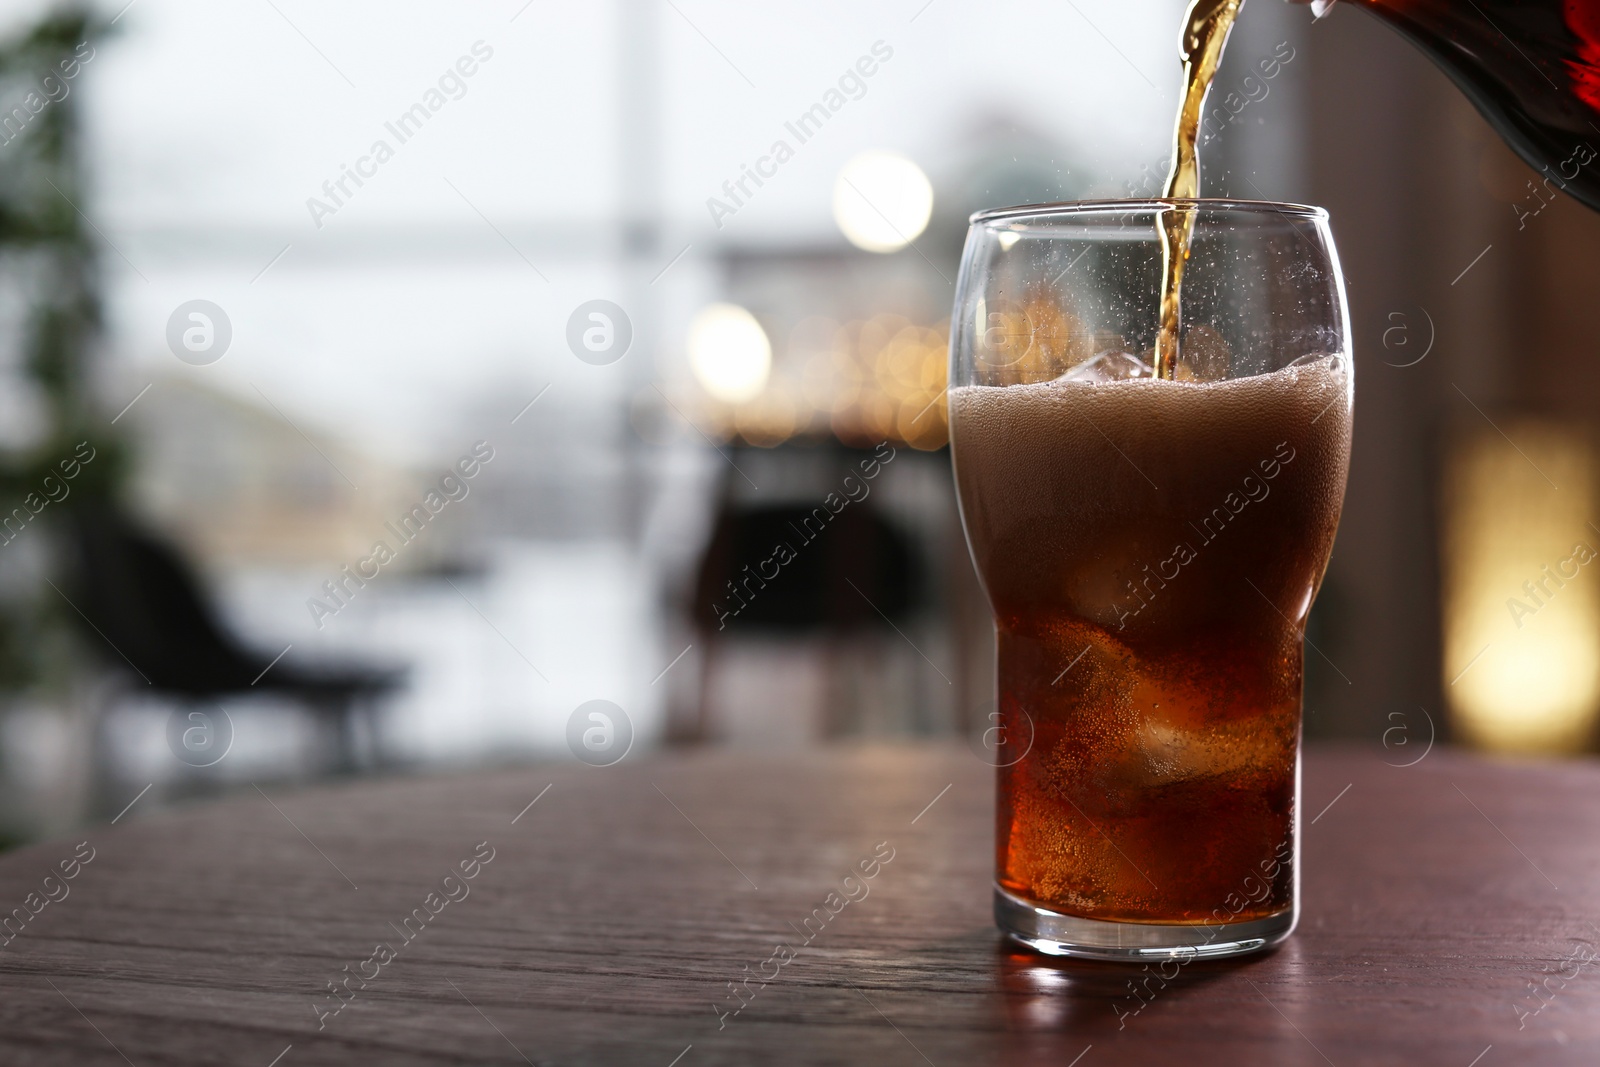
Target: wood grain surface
(618,908)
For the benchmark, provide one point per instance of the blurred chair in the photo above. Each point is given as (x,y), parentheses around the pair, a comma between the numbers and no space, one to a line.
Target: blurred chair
(147,616)
(857,577)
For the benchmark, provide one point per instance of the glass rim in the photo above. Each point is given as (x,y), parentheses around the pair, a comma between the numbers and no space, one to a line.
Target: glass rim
(1070,208)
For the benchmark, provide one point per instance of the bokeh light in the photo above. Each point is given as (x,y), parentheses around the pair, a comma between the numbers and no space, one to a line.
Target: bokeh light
(1521,620)
(882,201)
(863,382)
(729,353)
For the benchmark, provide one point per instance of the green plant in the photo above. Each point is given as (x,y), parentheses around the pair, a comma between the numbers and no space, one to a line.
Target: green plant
(49,268)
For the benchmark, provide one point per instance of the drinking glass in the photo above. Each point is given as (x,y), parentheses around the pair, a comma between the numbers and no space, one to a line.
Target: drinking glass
(1150,549)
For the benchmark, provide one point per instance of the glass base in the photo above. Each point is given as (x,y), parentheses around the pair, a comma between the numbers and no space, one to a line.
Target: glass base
(1056,934)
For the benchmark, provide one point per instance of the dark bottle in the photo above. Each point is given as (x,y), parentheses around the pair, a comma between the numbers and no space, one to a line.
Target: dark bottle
(1532,67)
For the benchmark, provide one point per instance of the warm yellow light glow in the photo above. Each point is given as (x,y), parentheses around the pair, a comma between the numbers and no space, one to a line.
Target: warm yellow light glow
(882,201)
(729,353)
(865,381)
(1522,590)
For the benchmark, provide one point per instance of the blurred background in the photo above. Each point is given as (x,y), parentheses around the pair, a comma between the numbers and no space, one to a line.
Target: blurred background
(377,394)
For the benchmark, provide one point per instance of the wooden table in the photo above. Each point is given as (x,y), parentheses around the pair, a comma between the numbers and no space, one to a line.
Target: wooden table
(616,910)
